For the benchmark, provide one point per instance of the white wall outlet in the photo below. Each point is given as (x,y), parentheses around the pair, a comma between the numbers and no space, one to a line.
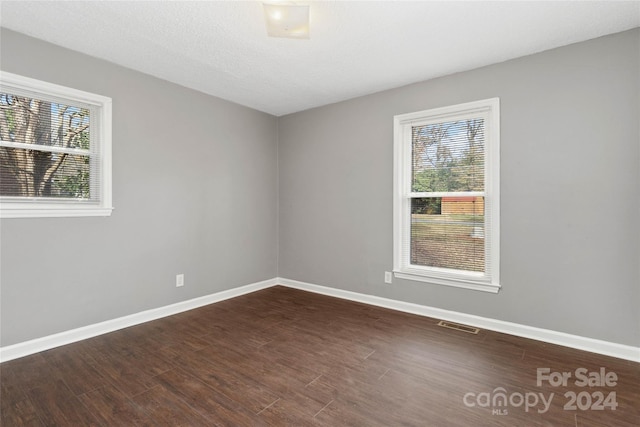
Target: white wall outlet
(388,277)
(179,280)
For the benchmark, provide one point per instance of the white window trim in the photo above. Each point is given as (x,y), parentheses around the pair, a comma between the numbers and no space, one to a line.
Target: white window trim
(490,110)
(43,207)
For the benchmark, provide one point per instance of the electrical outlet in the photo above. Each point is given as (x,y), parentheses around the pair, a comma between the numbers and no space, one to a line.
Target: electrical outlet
(179,280)
(388,278)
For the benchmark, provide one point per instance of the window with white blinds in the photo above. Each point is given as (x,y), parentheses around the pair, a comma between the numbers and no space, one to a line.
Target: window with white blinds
(446,195)
(55,150)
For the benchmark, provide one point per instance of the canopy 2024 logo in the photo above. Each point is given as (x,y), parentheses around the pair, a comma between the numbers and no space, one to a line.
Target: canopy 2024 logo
(499,400)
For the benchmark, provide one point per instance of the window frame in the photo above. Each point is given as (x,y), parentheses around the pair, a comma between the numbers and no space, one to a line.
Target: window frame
(489,281)
(100,154)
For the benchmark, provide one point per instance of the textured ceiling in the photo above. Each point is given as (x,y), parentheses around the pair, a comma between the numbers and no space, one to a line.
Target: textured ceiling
(356,48)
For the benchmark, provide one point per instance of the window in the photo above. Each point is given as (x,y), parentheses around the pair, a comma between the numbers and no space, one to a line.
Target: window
(55,150)
(446,195)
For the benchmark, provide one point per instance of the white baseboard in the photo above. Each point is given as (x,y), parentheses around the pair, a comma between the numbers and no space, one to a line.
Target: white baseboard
(582,343)
(67,337)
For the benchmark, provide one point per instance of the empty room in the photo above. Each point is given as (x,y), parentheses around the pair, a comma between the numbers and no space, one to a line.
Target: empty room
(319,213)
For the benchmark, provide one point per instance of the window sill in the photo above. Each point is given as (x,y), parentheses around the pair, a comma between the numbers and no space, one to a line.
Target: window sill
(476,285)
(52,212)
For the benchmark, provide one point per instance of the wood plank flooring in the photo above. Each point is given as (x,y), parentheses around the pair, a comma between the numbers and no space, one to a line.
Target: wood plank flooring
(285,357)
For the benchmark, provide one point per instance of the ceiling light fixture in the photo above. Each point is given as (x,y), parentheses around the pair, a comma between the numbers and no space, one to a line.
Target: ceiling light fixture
(287,20)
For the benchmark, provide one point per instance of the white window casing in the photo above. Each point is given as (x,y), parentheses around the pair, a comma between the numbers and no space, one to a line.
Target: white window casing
(484,275)
(98,201)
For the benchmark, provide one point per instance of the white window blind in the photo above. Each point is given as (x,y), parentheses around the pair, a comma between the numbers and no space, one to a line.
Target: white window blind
(446,226)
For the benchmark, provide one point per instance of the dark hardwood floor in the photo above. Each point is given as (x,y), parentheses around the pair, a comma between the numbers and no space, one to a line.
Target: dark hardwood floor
(286,357)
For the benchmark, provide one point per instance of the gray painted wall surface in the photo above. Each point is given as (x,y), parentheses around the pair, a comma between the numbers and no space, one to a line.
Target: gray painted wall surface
(570,189)
(194,191)
(318,184)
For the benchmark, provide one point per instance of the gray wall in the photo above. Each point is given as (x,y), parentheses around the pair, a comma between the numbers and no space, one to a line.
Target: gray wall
(570,187)
(196,183)
(194,190)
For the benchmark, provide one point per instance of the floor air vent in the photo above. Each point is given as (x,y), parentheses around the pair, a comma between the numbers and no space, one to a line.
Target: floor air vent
(459,327)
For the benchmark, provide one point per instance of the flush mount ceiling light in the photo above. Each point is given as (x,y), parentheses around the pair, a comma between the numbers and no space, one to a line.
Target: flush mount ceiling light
(287,20)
